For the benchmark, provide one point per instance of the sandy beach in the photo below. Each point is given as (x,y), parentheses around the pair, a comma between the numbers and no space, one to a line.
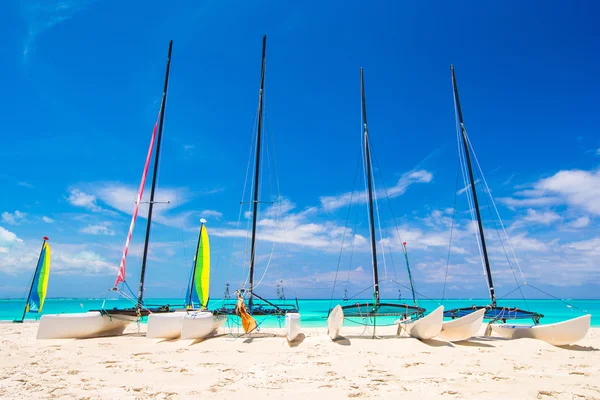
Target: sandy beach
(266,366)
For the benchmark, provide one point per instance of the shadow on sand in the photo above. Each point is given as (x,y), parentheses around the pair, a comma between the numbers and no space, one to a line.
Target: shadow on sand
(299,339)
(575,347)
(342,341)
(436,343)
(472,343)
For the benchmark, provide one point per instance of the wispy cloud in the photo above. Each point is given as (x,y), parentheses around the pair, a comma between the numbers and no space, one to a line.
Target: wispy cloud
(42,16)
(47,220)
(544,218)
(98,229)
(81,199)
(211,213)
(331,203)
(14,218)
(25,184)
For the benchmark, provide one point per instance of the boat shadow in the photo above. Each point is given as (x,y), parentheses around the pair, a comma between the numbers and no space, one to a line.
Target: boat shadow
(576,347)
(204,339)
(473,342)
(342,341)
(436,343)
(299,339)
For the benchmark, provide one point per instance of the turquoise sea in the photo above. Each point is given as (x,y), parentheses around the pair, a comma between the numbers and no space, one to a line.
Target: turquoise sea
(314,312)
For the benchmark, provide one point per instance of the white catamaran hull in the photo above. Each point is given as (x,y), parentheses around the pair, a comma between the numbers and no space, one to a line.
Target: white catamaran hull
(559,334)
(84,325)
(424,328)
(292,326)
(165,325)
(200,324)
(335,322)
(462,328)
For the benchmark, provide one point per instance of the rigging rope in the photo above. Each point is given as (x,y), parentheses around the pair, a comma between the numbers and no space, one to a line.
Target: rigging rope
(344,238)
(496,209)
(451,233)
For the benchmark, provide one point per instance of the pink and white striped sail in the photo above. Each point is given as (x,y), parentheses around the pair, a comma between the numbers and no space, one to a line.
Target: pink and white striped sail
(122,267)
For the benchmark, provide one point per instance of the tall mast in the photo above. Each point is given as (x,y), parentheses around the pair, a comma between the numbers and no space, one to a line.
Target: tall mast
(370,188)
(154,173)
(37,267)
(190,304)
(257,170)
(473,190)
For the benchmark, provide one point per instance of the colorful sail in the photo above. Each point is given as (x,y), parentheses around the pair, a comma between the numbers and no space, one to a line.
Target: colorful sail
(198,285)
(122,266)
(39,285)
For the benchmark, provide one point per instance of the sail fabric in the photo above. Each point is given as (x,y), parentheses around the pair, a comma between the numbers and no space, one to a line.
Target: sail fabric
(248,323)
(198,285)
(40,282)
(122,267)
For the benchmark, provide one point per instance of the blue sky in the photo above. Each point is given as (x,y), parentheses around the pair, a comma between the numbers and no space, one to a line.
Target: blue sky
(84,81)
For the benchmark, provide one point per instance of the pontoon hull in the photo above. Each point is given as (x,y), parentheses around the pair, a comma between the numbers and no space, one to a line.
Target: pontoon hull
(335,321)
(292,326)
(462,328)
(200,324)
(559,334)
(426,327)
(165,325)
(83,325)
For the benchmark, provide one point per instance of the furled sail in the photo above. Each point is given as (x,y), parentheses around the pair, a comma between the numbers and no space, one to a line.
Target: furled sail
(198,285)
(40,281)
(248,323)
(122,266)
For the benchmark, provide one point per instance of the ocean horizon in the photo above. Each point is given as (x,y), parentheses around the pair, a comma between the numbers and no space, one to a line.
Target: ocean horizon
(313,311)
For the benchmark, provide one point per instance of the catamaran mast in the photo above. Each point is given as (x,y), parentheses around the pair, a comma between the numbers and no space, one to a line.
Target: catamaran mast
(33,281)
(190,304)
(257,171)
(472,181)
(370,188)
(154,173)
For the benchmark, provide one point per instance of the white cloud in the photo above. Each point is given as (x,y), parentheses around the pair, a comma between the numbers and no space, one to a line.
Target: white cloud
(544,218)
(43,16)
(575,188)
(8,240)
(98,229)
(47,220)
(25,184)
(580,222)
(330,203)
(81,199)
(211,213)
(121,197)
(13,218)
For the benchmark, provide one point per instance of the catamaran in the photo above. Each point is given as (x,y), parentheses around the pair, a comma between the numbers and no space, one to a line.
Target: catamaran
(39,283)
(108,322)
(366,313)
(566,332)
(258,305)
(193,321)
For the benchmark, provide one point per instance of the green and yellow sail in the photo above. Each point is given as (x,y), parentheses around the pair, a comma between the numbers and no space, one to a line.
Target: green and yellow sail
(198,285)
(39,284)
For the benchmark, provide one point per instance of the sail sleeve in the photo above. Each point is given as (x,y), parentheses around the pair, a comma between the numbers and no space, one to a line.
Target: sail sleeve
(40,282)
(202,275)
(122,266)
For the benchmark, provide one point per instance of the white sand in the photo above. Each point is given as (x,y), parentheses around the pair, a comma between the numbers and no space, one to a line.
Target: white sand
(133,367)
